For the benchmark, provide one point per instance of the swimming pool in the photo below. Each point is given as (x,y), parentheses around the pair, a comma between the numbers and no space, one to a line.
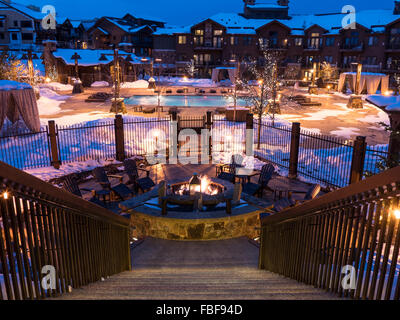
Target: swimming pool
(187,101)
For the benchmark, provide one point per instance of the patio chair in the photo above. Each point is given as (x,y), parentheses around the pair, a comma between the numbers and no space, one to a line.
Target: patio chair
(228,173)
(132,170)
(71,185)
(288,201)
(121,190)
(258,188)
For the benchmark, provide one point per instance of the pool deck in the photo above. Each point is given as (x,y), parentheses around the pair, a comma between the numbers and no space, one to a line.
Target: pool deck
(332,118)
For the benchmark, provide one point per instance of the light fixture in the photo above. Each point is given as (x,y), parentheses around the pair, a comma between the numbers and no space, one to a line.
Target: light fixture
(397,214)
(194,185)
(260,82)
(5,195)
(48,80)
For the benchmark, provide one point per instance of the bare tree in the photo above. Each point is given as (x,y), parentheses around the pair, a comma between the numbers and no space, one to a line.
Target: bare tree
(264,96)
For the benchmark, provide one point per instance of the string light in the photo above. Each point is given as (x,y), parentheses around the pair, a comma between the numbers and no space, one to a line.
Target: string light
(397,214)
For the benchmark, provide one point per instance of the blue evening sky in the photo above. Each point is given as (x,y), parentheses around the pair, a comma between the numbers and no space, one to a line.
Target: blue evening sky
(184,12)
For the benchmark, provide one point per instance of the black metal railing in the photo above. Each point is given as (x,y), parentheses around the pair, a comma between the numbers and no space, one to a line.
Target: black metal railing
(52,242)
(24,149)
(81,142)
(346,242)
(324,159)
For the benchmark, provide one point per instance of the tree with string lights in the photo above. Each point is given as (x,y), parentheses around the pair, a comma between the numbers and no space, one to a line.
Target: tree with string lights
(264,96)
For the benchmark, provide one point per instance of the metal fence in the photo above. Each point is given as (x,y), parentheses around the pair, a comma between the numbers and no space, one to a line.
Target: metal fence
(141,136)
(23,149)
(274,142)
(325,159)
(87,141)
(228,136)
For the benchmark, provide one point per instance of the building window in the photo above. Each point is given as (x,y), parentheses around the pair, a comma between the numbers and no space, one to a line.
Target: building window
(328,59)
(370,61)
(14,36)
(247,41)
(217,32)
(1,24)
(330,41)
(298,42)
(27,36)
(199,37)
(182,39)
(15,23)
(315,41)
(373,41)
(234,41)
(352,41)
(26,24)
(2,36)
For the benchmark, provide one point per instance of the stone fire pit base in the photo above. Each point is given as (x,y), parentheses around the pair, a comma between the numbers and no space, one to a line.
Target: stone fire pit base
(244,221)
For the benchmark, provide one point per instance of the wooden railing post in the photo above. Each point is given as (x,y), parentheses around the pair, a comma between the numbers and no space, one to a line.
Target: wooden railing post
(249,135)
(119,138)
(294,150)
(55,160)
(357,162)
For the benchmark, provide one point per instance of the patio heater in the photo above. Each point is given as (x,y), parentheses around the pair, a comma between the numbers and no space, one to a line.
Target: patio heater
(355,101)
(78,87)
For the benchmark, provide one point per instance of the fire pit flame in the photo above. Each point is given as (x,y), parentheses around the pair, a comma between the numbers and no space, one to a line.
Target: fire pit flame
(206,187)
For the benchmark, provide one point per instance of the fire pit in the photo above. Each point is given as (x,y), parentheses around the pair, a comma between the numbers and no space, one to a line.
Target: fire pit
(196,194)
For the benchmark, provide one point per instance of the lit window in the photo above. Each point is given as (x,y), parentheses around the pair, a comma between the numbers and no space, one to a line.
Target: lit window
(182,39)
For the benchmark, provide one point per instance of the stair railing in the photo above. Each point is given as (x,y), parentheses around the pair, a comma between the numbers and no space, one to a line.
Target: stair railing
(346,242)
(52,242)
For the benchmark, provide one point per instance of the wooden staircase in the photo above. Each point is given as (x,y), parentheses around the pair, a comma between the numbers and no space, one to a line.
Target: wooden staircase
(225,269)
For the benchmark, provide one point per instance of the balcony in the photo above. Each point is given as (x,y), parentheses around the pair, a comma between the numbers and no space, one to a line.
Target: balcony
(312,47)
(352,47)
(205,46)
(393,47)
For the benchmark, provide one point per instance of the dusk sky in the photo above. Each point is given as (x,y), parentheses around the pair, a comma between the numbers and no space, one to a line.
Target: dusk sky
(181,12)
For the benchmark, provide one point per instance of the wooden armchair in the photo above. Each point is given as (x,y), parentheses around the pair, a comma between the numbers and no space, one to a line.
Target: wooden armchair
(265,177)
(121,190)
(132,170)
(289,201)
(71,185)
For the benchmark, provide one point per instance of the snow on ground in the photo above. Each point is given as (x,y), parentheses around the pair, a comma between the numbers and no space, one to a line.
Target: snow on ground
(346,132)
(6,85)
(140,84)
(48,173)
(49,102)
(100,84)
(56,86)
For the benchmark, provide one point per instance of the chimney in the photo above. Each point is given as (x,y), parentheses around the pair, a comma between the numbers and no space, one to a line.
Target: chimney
(396,7)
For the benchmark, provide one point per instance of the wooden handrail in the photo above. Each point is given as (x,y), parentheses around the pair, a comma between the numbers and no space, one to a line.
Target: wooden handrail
(383,179)
(12,177)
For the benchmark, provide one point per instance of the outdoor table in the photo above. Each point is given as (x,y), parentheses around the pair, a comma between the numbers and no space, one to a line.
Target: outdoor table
(244,175)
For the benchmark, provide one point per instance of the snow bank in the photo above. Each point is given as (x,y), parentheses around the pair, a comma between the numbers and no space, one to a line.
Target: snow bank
(6,85)
(140,84)
(49,102)
(100,84)
(56,86)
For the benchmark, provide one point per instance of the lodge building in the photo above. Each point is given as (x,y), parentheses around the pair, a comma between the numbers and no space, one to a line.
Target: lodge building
(224,39)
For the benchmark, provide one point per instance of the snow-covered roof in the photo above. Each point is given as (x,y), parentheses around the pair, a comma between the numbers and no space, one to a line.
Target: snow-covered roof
(90,57)
(6,85)
(376,20)
(266,6)
(31,12)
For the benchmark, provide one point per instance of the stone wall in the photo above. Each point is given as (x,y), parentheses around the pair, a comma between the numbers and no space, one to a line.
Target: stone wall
(196,229)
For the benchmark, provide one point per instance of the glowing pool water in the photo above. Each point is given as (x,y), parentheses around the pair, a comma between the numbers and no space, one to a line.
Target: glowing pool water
(186,101)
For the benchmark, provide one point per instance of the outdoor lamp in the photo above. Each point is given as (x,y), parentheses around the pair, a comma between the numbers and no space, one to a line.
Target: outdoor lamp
(5,195)
(194,185)
(397,214)
(76,57)
(144,59)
